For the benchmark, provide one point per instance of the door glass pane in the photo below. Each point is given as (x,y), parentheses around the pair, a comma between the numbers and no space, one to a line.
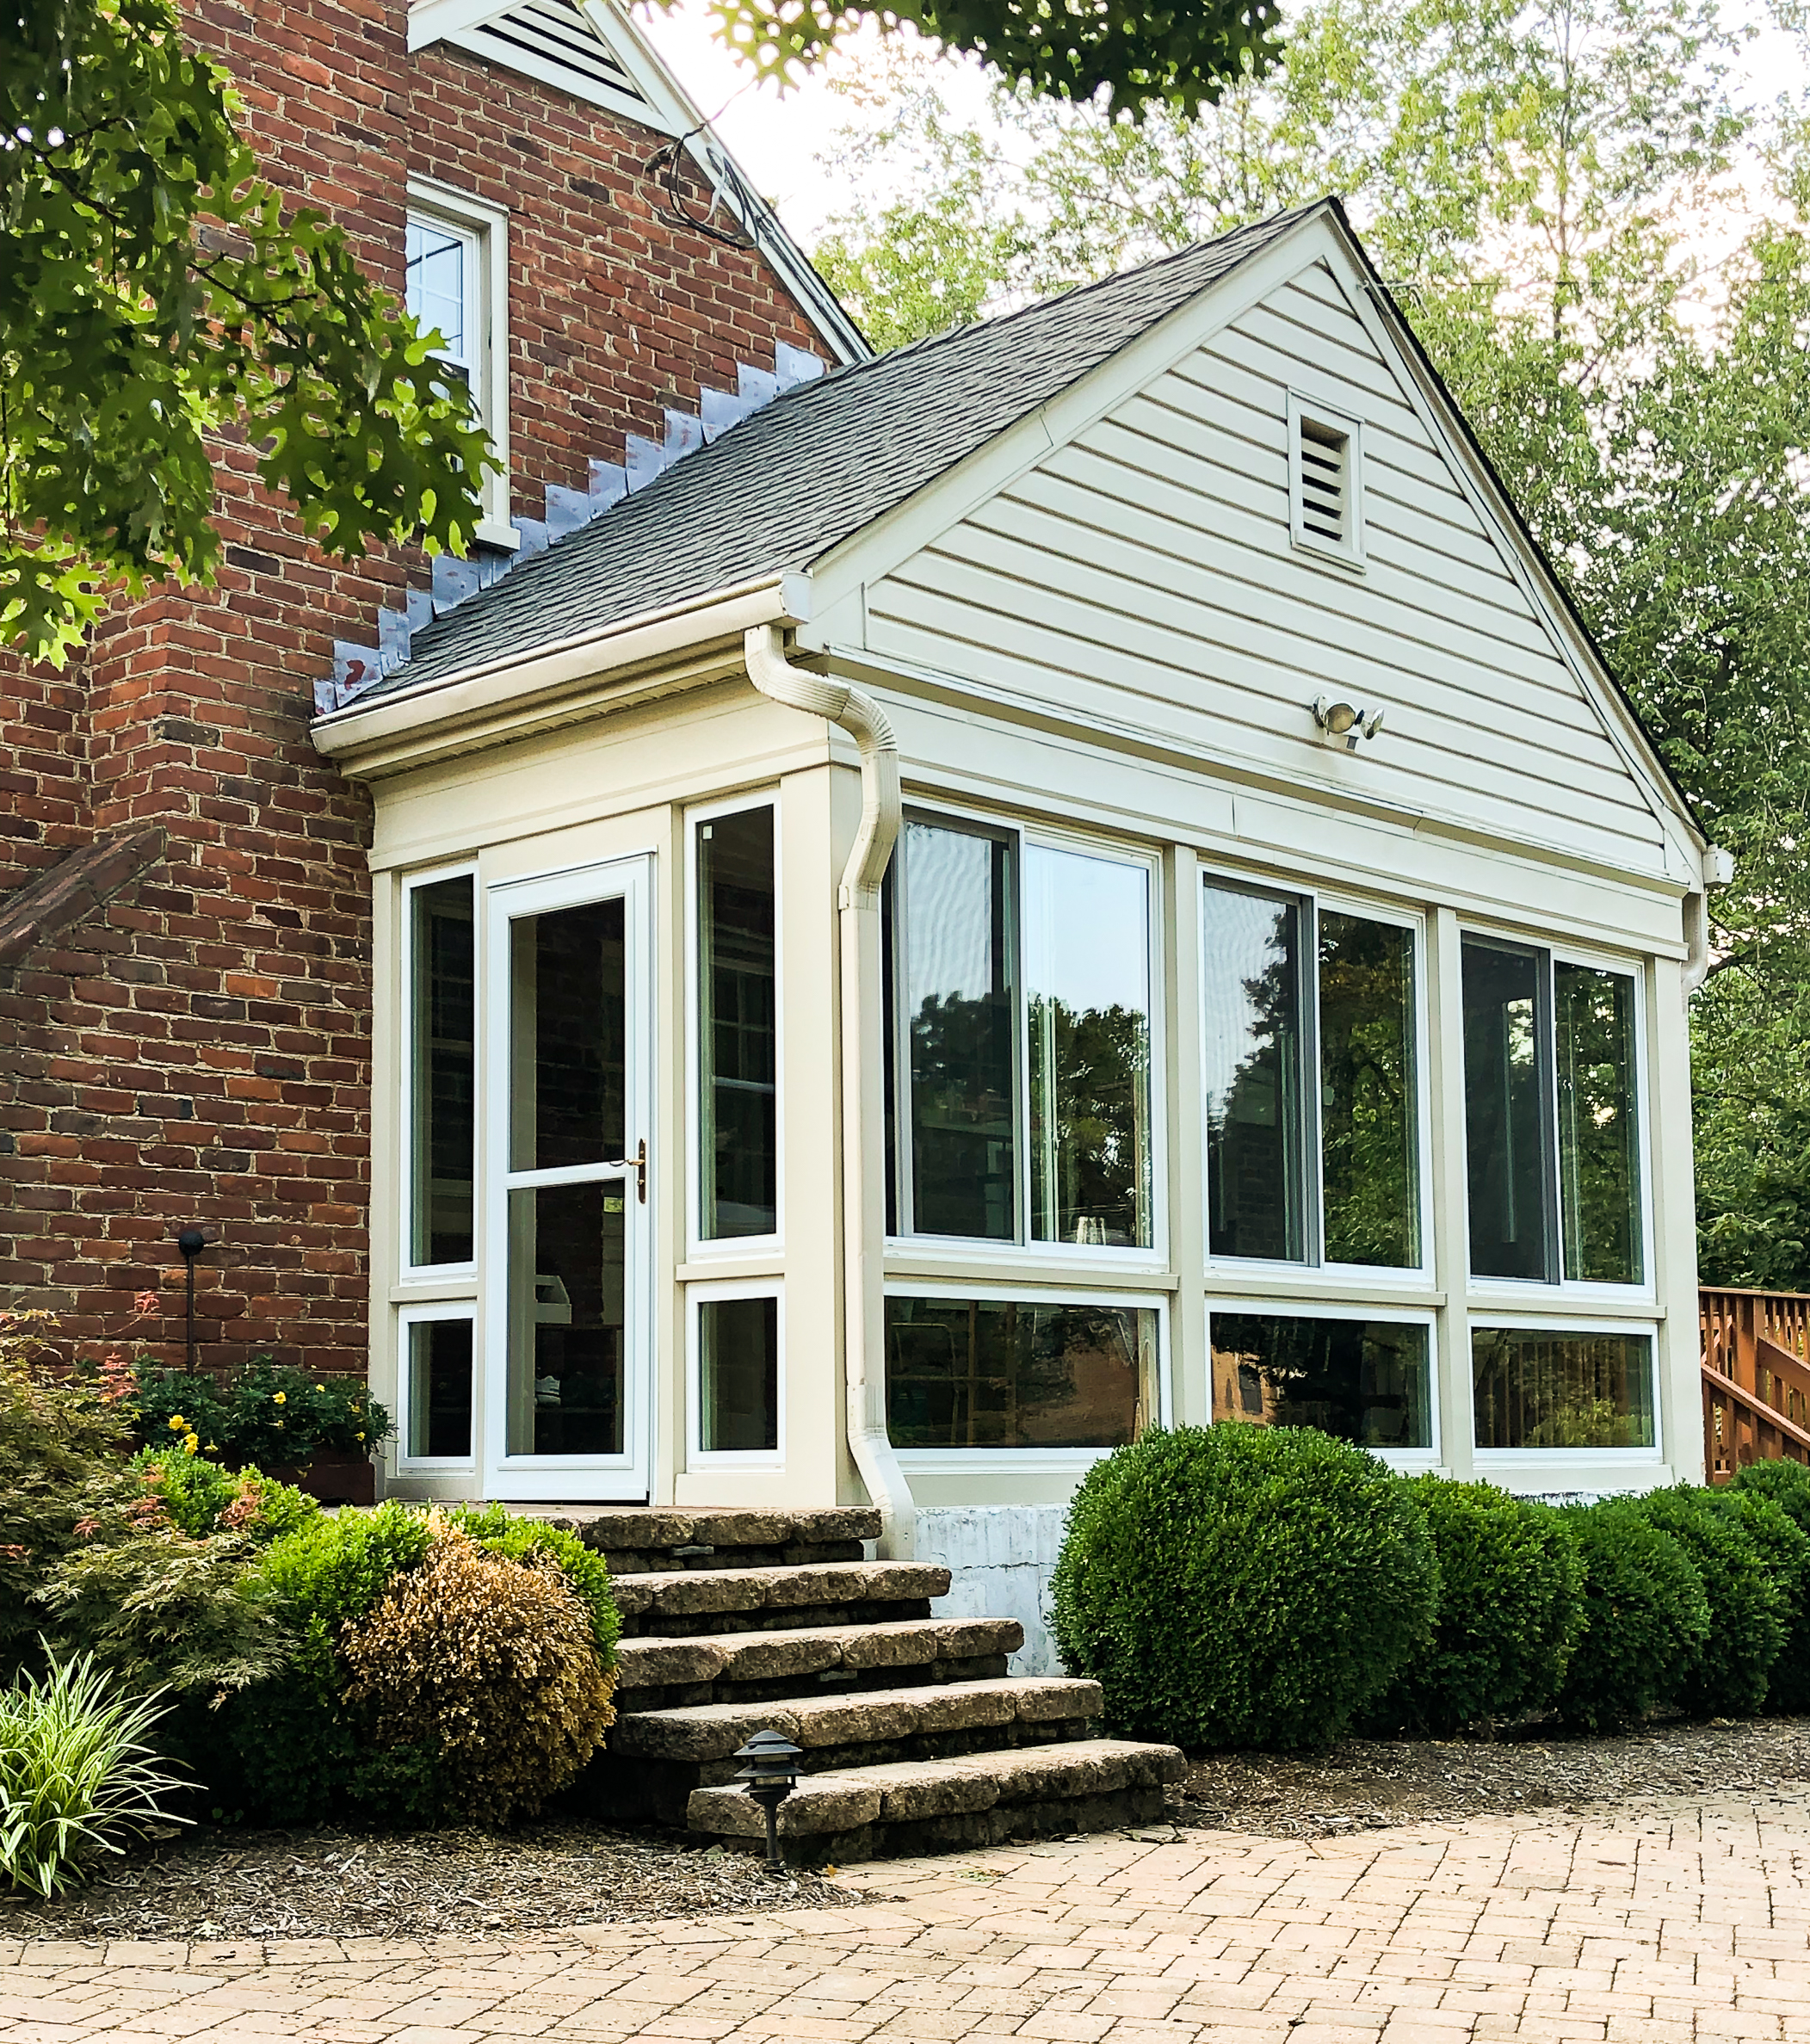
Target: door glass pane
(1369,1118)
(967,1373)
(566,1071)
(1504,1112)
(566,1384)
(441,1069)
(737,1037)
(1362,1381)
(1087,977)
(1537,1390)
(1599,1149)
(959,946)
(737,1376)
(1252,1019)
(440,1389)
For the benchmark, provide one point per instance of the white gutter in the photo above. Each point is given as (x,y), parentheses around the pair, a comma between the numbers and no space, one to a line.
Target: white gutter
(1718,871)
(863,1151)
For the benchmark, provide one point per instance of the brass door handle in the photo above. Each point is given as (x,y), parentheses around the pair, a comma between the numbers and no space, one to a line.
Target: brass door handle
(638,1163)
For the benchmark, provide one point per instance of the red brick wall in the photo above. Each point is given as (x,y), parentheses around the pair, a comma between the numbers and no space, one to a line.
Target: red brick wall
(198,1051)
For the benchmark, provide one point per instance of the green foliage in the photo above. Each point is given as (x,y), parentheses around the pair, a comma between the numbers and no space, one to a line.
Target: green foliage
(153,293)
(203,1498)
(1787,1483)
(1647,1617)
(173,1405)
(76,1774)
(271,1414)
(333,1569)
(1728,1675)
(1511,1611)
(1784,1548)
(1242,1586)
(494,1527)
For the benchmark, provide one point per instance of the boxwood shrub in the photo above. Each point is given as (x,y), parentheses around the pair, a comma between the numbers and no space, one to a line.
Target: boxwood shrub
(1646,1616)
(1729,1674)
(1785,1486)
(1511,1611)
(1236,1586)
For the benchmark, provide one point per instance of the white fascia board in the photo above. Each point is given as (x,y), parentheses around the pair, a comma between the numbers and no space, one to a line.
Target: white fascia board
(435,20)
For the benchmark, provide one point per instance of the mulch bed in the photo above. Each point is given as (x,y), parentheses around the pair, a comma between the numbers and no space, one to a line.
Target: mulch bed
(215,1883)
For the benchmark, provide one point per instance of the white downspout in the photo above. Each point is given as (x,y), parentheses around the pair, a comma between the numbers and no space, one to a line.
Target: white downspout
(862,1157)
(1717,872)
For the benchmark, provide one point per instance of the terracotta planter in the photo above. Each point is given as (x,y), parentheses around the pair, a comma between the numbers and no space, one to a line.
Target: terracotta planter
(334,1479)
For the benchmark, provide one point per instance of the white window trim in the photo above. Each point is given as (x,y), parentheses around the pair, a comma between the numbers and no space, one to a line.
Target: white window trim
(407,1318)
(696,1456)
(1414,1461)
(1493,1461)
(410,1271)
(1096,1261)
(1571,1293)
(1304,410)
(466,214)
(702,1248)
(1031,1461)
(1317,1274)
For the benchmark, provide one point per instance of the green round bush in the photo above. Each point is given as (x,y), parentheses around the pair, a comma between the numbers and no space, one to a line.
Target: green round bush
(1511,1611)
(1787,1483)
(1784,1548)
(1238,1585)
(1646,1616)
(1728,1675)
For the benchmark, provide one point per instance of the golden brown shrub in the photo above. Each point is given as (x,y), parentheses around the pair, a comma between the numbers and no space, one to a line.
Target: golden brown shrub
(493,1657)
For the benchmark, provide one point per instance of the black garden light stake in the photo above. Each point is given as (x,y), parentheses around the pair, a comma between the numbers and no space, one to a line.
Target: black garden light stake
(191,1242)
(771,1774)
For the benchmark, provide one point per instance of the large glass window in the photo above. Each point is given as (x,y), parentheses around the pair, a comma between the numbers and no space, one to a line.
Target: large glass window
(986,1373)
(1551,1123)
(737,1379)
(437,1393)
(1019,1075)
(1535,1389)
(566,1295)
(443,1045)
(1369,1381)
(1303,1173)
(738,1036)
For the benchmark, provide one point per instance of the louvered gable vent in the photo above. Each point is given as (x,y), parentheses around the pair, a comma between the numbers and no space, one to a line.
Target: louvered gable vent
(1325,457)
(552,40)
(1326,482)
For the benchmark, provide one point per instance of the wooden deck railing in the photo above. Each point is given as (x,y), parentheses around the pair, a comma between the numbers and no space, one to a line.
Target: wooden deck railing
(1756,1369)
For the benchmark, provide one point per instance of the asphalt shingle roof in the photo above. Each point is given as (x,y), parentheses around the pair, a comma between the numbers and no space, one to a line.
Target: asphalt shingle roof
(810,470)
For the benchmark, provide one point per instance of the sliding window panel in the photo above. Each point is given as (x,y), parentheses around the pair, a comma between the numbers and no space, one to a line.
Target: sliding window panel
(1252,1021)
(1508,1119)
(1535,1389)
(955,916)
(1369,1092)
(443,1048)
(1599,1136)
(568,1050)
(1087,981)
(737,1027)
(1366,1381)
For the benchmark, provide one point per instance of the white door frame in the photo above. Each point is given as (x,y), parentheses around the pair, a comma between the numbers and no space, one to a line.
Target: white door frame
(624,1477)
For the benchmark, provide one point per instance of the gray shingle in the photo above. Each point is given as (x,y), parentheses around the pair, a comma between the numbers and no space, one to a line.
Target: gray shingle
(814,467)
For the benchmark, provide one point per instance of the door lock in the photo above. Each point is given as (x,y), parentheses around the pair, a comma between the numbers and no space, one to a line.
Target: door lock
(638,1161)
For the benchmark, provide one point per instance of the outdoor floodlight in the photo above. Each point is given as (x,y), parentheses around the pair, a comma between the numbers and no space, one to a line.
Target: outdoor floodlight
(771,1774)
(1346,720)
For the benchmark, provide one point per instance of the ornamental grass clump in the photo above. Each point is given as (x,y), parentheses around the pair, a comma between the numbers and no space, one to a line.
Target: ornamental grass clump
(1647,1617)
(1510,1612)
(77,1776)
(492,1660)
(1238,1585)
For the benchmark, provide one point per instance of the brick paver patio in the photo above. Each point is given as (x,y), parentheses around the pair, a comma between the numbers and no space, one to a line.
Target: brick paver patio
(1654,1922)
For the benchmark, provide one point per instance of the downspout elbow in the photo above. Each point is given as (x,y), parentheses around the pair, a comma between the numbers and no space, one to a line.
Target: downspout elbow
(1717,872)
(858,898)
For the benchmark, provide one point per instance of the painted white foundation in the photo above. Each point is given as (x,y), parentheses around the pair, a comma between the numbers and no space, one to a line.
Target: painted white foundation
(999,1557)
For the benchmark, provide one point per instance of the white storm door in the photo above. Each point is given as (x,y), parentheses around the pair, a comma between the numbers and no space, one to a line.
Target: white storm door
(568,1393)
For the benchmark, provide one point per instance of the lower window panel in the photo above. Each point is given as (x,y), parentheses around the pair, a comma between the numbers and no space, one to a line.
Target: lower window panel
(739,1376)
(1532,1389)
(997,1373)
(1367,1381)
(439,1391)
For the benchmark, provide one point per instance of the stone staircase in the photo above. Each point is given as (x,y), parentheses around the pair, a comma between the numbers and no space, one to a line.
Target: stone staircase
(915,1739)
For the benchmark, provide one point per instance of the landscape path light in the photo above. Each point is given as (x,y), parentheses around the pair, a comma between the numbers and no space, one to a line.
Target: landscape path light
(771,1773)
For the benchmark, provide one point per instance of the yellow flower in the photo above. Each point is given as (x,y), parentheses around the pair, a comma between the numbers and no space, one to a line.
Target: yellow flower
(361,1436)
(213,1448)
(320,1387)
(283,1398)
(178,1425)
(190,1442)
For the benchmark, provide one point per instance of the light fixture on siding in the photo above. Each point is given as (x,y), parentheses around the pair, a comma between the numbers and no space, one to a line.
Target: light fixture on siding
(1344,721)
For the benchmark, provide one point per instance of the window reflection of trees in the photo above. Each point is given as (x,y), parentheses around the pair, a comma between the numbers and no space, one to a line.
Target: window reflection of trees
(963,1112)
(1368,1138)
(1090,1089)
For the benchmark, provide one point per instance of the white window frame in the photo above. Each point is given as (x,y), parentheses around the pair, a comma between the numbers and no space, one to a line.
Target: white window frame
(1304,411)
(697,1296)
(407,1318)
(1493,1462)
(484,229)
(1413,1461)
(1315,1270)
(1595,1292)
(702,1248)
(1096,1261)
(411,1271)
(1029,1461)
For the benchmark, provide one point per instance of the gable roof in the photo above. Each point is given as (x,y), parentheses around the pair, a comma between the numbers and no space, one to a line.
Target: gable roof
(797,479)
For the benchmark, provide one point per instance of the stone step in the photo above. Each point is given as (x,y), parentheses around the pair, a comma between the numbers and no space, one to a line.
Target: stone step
(637,1539)
(900,1808)
(660,1673)
(685,1602)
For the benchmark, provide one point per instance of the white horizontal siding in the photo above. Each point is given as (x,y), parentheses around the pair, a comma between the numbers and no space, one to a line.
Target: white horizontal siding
(1141,577)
